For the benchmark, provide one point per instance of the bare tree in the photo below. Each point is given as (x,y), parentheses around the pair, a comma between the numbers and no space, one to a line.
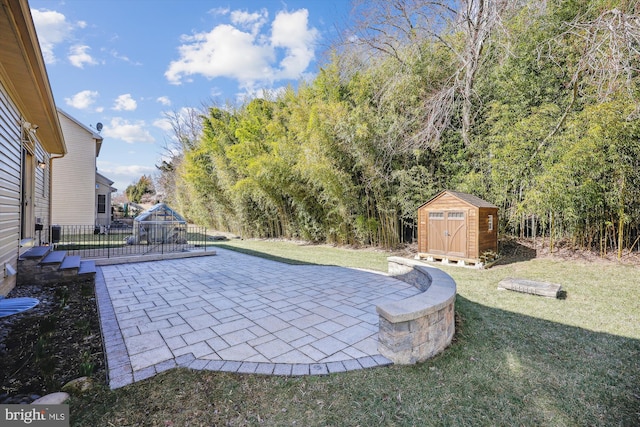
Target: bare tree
(402,28)
(608,57)
(186,129)
(186,126)
(610,48)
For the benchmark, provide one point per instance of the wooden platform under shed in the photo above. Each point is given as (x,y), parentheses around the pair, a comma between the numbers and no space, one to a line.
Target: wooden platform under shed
(449,260)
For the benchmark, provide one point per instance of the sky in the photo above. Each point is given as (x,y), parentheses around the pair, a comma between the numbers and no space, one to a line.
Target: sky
(128,63)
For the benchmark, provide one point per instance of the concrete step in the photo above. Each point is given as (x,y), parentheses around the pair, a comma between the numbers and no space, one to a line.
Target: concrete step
(36,252)
(43,265)
(87,267)
(54,257)
(70,262)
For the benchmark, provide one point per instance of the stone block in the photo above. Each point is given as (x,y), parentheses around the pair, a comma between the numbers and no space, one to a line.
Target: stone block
(545,289)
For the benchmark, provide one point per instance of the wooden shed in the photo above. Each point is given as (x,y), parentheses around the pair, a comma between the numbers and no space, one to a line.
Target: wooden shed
(457,227)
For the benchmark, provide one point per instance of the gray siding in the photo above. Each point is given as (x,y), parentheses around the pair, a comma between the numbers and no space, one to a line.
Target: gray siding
(10,152)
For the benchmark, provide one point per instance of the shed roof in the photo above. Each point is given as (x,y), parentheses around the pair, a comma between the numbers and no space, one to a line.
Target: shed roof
(465,197)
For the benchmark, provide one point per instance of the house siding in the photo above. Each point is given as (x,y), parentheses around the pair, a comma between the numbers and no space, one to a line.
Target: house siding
(10,149)
(74,196)
(103,187)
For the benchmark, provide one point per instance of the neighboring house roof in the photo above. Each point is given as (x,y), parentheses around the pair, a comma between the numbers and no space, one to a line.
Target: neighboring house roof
(103,178)
(24,75)
(465,197)
(92,132)
(106,181)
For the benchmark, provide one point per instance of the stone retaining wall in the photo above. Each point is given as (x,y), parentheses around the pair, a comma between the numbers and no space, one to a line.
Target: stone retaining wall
(417,328)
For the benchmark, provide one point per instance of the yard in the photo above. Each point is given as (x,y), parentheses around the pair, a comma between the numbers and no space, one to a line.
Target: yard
(516,360)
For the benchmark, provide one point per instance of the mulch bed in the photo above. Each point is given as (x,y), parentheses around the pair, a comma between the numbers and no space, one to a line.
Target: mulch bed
(51,344)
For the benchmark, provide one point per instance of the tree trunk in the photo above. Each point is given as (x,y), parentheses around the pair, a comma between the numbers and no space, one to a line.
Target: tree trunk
(551,231)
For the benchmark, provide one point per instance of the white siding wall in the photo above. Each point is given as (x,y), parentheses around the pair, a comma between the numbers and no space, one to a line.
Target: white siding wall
(74,185)
(10,151)
(103,189)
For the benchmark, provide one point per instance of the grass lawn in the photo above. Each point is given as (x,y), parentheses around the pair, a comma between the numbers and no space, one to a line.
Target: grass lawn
(310,254)
(516,360)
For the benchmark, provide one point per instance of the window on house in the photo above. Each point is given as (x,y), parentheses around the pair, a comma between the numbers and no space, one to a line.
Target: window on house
(102,203)
(490,222)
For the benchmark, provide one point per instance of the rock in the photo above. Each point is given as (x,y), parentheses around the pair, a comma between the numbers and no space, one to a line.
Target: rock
(78,386)
(52,399)
(545,289)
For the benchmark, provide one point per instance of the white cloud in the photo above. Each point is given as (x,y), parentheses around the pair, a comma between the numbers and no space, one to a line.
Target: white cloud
(291,31)
(251,21)
(123,175)
(220,11)
(53,29)
(249,57)
(223,52)
(82,100)
(164,124)
(121,57)
(117,169)
(125,103)
(164,100)
(126,131)
(78,56)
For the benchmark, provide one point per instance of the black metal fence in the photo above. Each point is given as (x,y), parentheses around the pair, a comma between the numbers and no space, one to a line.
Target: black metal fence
(128,240)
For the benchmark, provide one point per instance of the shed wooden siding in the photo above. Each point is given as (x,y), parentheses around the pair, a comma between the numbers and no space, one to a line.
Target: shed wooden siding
(74,185)
(488,238)
(478,237)
(10,149)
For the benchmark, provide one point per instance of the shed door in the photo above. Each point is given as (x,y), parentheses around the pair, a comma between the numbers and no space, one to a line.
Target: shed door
(448,233)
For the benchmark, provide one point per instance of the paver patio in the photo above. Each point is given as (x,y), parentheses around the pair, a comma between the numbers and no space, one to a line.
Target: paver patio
(239,313)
